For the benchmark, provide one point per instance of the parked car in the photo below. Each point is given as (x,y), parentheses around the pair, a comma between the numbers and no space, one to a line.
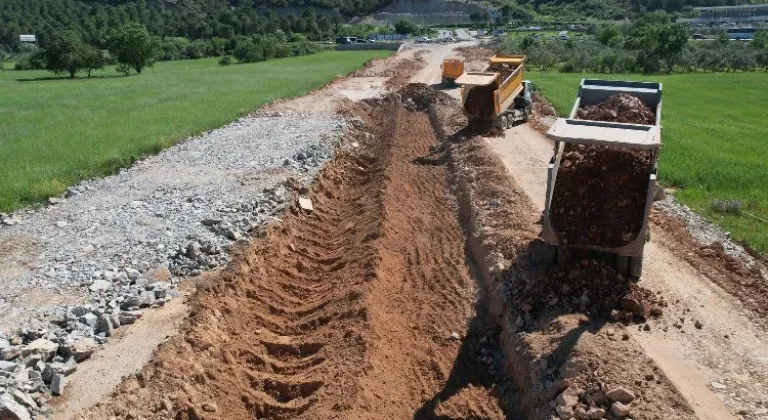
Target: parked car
(346,40)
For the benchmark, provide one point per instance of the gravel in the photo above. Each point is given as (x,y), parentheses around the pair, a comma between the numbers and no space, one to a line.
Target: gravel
(94,258)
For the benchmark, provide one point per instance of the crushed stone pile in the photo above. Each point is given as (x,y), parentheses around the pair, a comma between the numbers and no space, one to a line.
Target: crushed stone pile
(622,108)
(600,194)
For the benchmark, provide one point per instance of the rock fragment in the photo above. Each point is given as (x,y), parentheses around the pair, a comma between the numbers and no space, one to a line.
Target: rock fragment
(620,410)
(620,394)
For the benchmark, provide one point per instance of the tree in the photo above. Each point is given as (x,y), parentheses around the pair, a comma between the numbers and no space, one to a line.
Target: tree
(657,41)
(93,59)
(66,53)
(133,46)
(404,27)
(672,39)
(606,33)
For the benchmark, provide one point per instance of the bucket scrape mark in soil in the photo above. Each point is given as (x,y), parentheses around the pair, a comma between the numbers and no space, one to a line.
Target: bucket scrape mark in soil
(347,312)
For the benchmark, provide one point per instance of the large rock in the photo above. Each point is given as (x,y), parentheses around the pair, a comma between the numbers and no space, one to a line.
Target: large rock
(45,348)
(572,368)
(129,317)
(57,384)
(90,319)
(620,410)
(6,366)
(11,410)
(569,397)
(100,285)
(564,412)
(105,325)
(24,399)
(620,394)
(81,349)
(10,353)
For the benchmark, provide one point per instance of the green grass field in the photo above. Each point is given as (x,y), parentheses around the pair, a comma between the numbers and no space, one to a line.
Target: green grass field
(54,133)
(714,144)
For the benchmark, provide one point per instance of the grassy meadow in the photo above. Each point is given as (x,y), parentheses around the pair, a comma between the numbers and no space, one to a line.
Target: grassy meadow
(715,143)
(55,131)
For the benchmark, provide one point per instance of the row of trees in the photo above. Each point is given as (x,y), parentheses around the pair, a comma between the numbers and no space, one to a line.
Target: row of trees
(133,48)
(192,19)
(650,45)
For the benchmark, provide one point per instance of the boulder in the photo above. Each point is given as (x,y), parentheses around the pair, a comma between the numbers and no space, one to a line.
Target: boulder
(45,348)
(11,410)
(620,394)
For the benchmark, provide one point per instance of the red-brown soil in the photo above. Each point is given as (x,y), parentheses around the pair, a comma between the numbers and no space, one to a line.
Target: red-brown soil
(600,195)
(347,312)
(621,107)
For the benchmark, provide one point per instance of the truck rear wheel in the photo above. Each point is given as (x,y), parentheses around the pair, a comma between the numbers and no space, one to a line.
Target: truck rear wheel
(504,122)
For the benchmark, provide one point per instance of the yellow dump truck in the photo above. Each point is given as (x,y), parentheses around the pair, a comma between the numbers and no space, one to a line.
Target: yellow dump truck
(453,68)
(497,94)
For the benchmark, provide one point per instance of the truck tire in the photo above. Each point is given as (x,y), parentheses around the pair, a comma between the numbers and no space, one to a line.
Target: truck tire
(635,267)
(504,122)
(622,265)
(526,113)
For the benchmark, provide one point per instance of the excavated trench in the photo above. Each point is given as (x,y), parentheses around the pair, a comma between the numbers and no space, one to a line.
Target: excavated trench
(361,309)
(398,296)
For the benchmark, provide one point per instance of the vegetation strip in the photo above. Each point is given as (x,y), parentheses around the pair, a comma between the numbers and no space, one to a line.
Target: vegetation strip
(57,132)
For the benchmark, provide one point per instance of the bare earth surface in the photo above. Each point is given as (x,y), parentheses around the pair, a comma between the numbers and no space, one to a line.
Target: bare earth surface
(414,290)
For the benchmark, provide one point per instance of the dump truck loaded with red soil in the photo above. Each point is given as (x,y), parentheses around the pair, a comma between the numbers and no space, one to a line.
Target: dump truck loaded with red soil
(602,176)
(497,94)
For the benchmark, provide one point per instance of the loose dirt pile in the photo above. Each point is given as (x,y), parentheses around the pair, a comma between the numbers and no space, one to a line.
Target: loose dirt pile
(480,101)
(418,96)
(621,107)
(356,310)
(474,53)
(600,195)
(404,71)
(505,70)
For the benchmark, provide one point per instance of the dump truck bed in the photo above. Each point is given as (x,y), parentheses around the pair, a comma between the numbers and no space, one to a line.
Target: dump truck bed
(485,95)
(633,136)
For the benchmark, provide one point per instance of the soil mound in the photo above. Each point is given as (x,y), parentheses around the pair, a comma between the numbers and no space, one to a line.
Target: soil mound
(505,70)
(622,108)
(419,96)
(600,193)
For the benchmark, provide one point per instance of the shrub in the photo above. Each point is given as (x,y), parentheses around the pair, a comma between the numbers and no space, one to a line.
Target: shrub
(226,60)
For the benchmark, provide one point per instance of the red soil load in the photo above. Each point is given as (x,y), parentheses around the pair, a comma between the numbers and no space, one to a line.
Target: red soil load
(480,101)
(622,108)
(600,193)
(505,70)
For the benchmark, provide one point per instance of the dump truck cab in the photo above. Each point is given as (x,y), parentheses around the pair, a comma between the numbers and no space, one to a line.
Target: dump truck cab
(453,68)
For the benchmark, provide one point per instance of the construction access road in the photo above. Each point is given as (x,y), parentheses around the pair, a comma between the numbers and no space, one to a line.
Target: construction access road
(413,289)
